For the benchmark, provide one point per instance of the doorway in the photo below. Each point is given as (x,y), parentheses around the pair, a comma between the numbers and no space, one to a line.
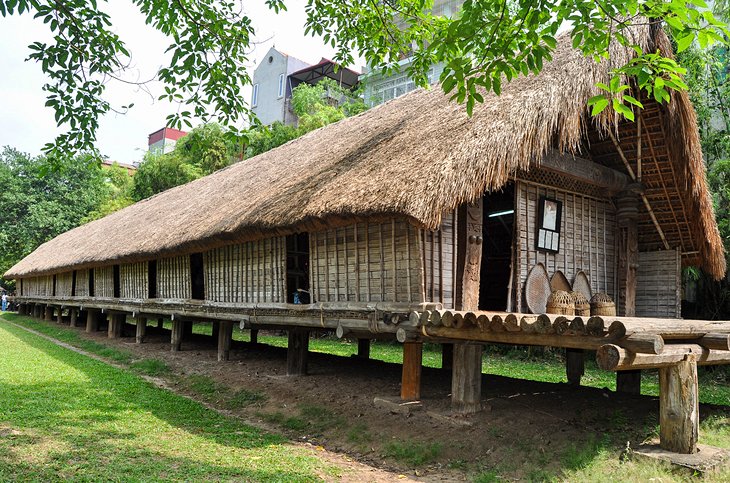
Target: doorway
(498,234)
(297,269)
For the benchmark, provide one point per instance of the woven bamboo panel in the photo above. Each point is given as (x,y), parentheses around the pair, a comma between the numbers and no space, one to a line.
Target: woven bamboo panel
(82,283)
(366,262)
(104,282)
(587,234)
(38,286)
(439,261)
(247,273)
(659,284)
(173,278)
(64,284)
(133,279)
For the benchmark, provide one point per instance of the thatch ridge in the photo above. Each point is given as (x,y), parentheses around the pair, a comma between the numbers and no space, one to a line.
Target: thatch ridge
(416,156)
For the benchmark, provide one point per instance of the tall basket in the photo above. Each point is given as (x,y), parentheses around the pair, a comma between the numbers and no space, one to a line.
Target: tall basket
(560,302)
(602,304)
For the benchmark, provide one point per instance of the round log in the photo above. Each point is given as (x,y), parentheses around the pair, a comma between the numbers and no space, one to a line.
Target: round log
(611,357)
(447,318)
(616,330)
(561,325)
(643,343)
(511,323)
(595,326)
(496,324)
(577,327)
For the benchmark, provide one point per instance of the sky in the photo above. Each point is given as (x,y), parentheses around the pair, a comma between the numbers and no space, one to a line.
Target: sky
(26,124)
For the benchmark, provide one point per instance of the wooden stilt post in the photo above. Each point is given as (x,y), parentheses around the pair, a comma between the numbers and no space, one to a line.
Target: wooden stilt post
(114,330)
(141,330)
(92,320)
(215,330)
(21,309)
(176,337)
(447,356)
(188,329)
(72,315)
(36,311)
(59,315)
(225,335)
(296,355)
(575,364)
(628,382)
(160,324)
(254,336)
(466,381)
(363,348)
(679,410)
(49,313)
(410,388)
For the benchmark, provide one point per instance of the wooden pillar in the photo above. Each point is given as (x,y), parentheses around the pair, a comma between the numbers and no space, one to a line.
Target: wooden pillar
(575,363)
(628,382)
(49,313)
(187,329)
(679,411)
(363,348)
(36,311)
(160,324)
(410,388)
(141,330)
(114,330)
(21,309)
(59,315)
(466,372)
(73,316)
(254,336)
(215,329)
(627,213)
(225,336)
(92,320)
(296,355)
(447,356)
(466,381)
(176,337)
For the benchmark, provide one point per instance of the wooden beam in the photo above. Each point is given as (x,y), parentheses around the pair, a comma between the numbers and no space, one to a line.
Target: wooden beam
(363,348)
(176,336)
(585,171)
(679,411)
(254,336)
(628,382)
(410,389)
(611,357)
(297,352)
(574,365)
(141,330)
(49,313)
(225,336)
(92,320)
(466,383)
(627,214)
(114,330)
(72,313)
(59,315)
(215,329)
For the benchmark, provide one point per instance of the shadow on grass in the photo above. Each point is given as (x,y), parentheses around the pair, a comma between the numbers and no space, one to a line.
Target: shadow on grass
(108,422)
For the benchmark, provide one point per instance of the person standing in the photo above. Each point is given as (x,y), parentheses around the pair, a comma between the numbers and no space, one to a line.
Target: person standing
(5,301)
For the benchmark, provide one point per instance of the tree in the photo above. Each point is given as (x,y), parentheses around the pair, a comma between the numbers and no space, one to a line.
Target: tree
(118,184)
(158,173)
(38,203)
(487,43)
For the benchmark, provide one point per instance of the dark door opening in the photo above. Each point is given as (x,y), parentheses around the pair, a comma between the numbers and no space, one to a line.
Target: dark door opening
(197,276)
(498,234)
(152,279)
(54,285)
(91,282)
(297,269)
(117,282)
(73,284)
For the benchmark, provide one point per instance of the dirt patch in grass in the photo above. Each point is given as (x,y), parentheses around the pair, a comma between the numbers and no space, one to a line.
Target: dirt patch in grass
(530,431)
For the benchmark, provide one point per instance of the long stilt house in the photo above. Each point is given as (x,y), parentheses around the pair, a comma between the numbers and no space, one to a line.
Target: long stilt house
(415,221)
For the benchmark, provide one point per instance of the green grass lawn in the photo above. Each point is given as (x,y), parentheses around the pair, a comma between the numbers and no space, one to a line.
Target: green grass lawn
(64,416)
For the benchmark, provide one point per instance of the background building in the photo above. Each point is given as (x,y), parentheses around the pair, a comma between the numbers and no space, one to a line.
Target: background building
(163,140)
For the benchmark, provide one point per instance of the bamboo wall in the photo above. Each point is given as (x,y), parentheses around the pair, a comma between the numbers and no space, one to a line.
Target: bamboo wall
(659,284)
(173,278)
(587,237)
(82,283)
(133,279)
(64,284)
(439,259)
(38,286)
(248,273)
(104,282)
(367,262)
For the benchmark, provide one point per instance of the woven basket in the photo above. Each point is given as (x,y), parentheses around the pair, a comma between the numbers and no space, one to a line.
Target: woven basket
(560,302)
(537,289)
(582,305)
(602,304)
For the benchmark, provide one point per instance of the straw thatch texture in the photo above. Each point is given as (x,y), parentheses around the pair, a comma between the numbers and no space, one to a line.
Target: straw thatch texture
(417,157)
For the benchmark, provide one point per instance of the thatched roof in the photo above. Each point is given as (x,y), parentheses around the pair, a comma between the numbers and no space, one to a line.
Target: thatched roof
(416,156)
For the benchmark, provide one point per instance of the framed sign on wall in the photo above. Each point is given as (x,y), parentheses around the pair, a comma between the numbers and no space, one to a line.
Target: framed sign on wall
(549,215)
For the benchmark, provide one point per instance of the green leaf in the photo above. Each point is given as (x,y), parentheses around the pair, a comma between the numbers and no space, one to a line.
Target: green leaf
(599,103)
(684,42)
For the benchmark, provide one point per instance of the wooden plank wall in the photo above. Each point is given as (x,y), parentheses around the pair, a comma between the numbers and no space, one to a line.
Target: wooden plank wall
(173,278)
(82,283)
(587,237)
(104,282)
(367,262)
(249,273)
(133,278)
(659,284)
(38,286)
(64,284)
(439,260)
